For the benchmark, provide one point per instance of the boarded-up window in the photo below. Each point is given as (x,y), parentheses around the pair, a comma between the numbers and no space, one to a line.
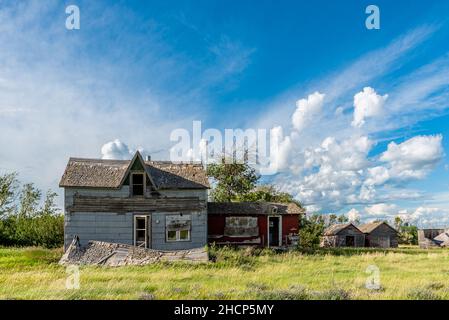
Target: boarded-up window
(241,227)
(178,227)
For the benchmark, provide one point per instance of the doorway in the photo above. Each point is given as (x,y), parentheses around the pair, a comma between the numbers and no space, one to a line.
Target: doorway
(350,241)
(142,231)
(274,231)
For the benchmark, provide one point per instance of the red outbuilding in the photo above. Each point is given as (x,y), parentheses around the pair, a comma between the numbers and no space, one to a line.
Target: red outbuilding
(264,224)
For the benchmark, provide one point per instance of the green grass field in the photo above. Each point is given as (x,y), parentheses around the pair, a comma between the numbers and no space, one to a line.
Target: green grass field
(405,273)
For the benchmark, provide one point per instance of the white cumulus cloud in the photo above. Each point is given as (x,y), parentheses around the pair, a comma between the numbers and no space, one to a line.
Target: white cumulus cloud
(367,103)
(353,215)
(382,209)
(117,150)
(414,158)
(306,109)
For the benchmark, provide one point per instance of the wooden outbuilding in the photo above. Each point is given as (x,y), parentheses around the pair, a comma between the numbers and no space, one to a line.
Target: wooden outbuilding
(343,235)
(264,224)
(380,235)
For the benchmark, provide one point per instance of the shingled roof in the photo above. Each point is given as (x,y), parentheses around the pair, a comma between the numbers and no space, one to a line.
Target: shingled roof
(242,208)
(369,227)
(336,228)
(100,173)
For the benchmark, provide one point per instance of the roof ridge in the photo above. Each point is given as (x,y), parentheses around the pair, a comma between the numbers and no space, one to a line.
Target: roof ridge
(97,159)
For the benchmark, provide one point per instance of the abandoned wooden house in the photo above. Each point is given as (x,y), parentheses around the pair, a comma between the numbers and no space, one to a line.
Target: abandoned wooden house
(380,235)
(343,235)
(163,205)
(433,238)
(253,223)
(151,204)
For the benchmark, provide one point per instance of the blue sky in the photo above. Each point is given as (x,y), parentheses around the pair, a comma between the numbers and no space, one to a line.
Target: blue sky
(136,70)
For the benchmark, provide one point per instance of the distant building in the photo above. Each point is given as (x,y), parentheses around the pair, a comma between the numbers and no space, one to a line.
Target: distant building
(343,235)
(433,238)
(380,235)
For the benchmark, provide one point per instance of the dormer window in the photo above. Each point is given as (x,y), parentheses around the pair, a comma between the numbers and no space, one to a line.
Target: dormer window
(138,184)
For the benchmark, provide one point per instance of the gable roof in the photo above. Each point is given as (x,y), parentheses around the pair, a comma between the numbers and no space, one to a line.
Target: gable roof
(336,228)
(101,173)
(370,227)
(242,208)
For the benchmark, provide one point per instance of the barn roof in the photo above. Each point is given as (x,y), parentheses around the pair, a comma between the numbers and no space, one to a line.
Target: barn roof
(101,173)
(370,227)
(336,228)
(242,208)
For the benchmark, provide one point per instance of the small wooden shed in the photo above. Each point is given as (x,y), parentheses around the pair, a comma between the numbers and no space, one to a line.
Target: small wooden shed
(343,235)
(380,235)
(253,223)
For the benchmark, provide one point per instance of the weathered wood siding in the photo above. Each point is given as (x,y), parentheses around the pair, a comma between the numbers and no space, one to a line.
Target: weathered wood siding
(100,226)
(425,237)
(198,233)
(339,240)
(382,237)
(118,225)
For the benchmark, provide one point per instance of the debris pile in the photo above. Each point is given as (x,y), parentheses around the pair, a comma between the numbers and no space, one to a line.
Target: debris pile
(433,238)
(115,254)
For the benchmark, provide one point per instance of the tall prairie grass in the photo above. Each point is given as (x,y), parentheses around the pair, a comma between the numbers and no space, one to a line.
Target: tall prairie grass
(404,273)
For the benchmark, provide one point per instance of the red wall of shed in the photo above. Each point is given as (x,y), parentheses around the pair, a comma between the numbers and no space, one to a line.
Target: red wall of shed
(216,224)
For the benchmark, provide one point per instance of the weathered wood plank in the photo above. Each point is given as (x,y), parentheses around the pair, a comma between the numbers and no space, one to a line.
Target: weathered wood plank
(120,205)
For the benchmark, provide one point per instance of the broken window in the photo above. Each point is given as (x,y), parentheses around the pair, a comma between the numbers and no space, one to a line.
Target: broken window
(241,227)
(178,227)
(138,185)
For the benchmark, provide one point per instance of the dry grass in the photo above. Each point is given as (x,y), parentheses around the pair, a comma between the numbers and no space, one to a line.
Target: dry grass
(405,273)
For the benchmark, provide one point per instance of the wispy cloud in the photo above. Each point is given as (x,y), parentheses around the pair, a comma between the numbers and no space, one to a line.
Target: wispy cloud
(330,165)
(67,93)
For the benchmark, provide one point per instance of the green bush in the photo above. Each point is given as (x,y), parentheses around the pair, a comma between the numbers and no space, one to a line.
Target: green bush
(45,230)
(23,222)
(333,294)
(423,294)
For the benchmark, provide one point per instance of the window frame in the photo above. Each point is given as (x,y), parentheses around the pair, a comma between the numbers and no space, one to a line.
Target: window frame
(178,232)
(143,184)
(147,230)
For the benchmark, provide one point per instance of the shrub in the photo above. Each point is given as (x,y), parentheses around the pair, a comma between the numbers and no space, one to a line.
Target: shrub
(292,293)
(45,230)
(22,221)
(235,257)
(333,294)
(423,294)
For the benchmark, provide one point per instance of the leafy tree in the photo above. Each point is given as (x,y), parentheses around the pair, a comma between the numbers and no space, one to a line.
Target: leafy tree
(268,193)
(310,231)
(342,219)
(333,219)
(233,180)
(49,207)
(408,234)
(22,221)
(29,201)
(8,187)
